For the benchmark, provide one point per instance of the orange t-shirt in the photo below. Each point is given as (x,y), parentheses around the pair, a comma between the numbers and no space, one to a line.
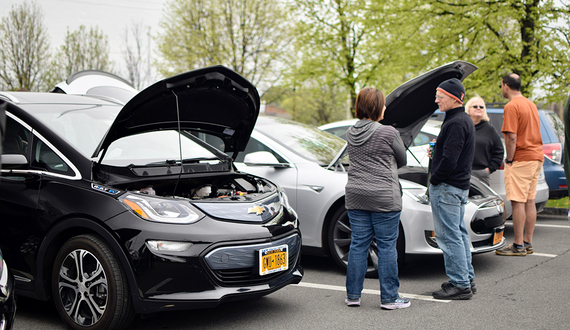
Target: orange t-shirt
(521,117)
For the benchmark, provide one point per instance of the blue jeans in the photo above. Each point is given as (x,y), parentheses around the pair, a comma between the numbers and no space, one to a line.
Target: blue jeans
(365,225)
(448,209)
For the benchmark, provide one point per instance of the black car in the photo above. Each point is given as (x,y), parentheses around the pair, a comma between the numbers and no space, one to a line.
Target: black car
(113,210)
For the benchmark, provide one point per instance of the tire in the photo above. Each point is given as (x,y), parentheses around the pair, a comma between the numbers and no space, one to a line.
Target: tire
(90,290)
(339,238)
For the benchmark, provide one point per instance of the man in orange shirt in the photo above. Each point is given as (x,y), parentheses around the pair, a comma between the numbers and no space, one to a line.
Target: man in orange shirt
(521,126)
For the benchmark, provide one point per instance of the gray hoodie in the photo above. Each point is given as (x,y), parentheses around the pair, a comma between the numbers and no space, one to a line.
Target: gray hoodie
(376,152)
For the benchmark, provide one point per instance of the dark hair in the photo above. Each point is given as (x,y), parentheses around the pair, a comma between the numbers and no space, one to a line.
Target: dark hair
(369,103)
(513,81)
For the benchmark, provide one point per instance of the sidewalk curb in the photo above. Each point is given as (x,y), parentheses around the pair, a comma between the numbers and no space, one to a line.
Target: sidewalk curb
(554,211)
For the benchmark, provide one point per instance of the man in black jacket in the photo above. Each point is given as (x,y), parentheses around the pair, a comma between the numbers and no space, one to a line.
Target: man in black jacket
(449,190)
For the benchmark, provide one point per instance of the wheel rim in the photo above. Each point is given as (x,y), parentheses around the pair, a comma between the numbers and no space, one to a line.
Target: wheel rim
(341,240)
(83,287)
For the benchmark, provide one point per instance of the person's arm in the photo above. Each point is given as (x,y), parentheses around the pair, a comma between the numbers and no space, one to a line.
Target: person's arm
(399,151)
(510,145)
(497,153)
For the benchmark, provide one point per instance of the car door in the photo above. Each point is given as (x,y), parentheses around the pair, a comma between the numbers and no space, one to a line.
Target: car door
(19,194)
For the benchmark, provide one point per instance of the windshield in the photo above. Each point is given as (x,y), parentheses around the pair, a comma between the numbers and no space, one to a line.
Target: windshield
(157,148)
(82,125)
(305,140)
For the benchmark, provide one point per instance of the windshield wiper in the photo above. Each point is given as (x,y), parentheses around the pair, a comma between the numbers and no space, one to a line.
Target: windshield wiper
(184,161)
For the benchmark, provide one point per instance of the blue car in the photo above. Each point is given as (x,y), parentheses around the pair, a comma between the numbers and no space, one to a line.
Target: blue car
(552,132)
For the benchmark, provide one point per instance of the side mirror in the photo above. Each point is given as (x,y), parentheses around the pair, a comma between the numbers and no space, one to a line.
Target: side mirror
(263,158)
(13,161)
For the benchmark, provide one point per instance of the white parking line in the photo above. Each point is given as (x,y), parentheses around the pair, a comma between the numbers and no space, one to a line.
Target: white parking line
(367,291)
(551,226)
(510,223)
(544,255)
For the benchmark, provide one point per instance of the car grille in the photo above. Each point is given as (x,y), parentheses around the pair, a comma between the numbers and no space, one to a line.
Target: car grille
(238,265)
(484,226)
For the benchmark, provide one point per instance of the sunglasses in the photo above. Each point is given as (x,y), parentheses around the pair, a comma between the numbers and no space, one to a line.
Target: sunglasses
(478,106)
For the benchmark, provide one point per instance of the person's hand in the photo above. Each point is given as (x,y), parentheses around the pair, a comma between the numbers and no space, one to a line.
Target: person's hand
(429,151)
(487,169)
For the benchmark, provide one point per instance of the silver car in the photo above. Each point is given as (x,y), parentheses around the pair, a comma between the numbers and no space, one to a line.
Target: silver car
(309,164)
(417,157)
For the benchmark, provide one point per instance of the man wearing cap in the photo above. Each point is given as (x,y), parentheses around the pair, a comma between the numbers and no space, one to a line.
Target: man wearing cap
(449,188)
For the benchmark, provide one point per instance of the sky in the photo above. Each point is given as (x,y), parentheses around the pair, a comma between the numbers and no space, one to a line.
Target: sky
(110,16)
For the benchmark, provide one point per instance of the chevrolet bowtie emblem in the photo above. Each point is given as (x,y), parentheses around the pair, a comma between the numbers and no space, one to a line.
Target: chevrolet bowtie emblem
(257,210)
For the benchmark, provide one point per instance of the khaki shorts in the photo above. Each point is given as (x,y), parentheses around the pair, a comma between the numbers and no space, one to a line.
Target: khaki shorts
(521,179)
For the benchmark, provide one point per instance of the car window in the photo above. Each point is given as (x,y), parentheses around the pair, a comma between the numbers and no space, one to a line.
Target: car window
(157,146)
(422,139)
(338,131)
(16,138)
(556,125)
(45,158)
(253,146)
(306,141)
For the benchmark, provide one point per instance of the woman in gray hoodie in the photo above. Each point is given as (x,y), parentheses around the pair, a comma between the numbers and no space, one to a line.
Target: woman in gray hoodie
(374,199)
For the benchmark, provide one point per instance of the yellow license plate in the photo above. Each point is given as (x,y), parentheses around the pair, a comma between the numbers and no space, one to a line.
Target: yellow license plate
(497,237)
(273,259)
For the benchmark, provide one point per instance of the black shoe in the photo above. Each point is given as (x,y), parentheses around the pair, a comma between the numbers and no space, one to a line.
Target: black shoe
(450,291)
(473,286)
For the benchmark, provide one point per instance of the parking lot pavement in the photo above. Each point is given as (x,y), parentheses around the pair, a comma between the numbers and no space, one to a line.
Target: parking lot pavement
(513,292)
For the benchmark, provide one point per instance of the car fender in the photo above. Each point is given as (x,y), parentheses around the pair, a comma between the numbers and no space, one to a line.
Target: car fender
(66,229)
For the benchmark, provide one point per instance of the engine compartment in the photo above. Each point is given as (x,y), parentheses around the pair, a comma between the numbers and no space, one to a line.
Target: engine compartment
(227,187)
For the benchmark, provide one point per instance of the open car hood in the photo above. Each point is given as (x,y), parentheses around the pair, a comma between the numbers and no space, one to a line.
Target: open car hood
(97,83)
(214,100)
(409,106)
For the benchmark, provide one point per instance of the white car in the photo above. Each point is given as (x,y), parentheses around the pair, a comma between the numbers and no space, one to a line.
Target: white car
(309,164)
(417,157)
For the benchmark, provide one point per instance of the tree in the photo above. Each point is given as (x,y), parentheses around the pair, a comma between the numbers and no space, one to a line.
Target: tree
(84,50)
(501,36)
(355,44)
(249,36)
(136,53)
(24,48)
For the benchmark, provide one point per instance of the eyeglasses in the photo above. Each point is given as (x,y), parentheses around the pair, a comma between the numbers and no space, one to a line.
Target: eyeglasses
(478,106)
(439,97)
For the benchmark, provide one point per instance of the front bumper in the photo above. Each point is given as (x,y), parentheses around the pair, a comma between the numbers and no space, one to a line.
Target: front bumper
(220,272)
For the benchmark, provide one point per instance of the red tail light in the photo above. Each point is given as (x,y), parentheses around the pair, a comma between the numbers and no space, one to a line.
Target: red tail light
(553,151)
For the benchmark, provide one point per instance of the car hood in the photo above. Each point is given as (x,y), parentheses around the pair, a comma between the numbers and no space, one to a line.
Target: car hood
(214,100)
(97,83)
(409,106)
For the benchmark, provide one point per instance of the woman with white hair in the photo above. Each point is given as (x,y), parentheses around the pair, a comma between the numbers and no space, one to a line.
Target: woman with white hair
(488,146)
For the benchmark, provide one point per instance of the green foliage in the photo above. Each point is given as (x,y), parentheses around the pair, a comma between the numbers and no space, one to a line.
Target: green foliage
(82,50)
(249,36)
(24,48)
(500,37)
(559,203)
(352,44)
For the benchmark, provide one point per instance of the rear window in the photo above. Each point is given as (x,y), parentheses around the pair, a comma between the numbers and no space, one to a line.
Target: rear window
(554,127)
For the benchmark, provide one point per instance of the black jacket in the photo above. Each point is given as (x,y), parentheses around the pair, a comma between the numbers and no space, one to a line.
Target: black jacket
(454,150)
(488,147)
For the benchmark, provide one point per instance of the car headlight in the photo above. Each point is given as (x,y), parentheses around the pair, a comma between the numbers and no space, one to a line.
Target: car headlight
(284,200)
(166,210)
